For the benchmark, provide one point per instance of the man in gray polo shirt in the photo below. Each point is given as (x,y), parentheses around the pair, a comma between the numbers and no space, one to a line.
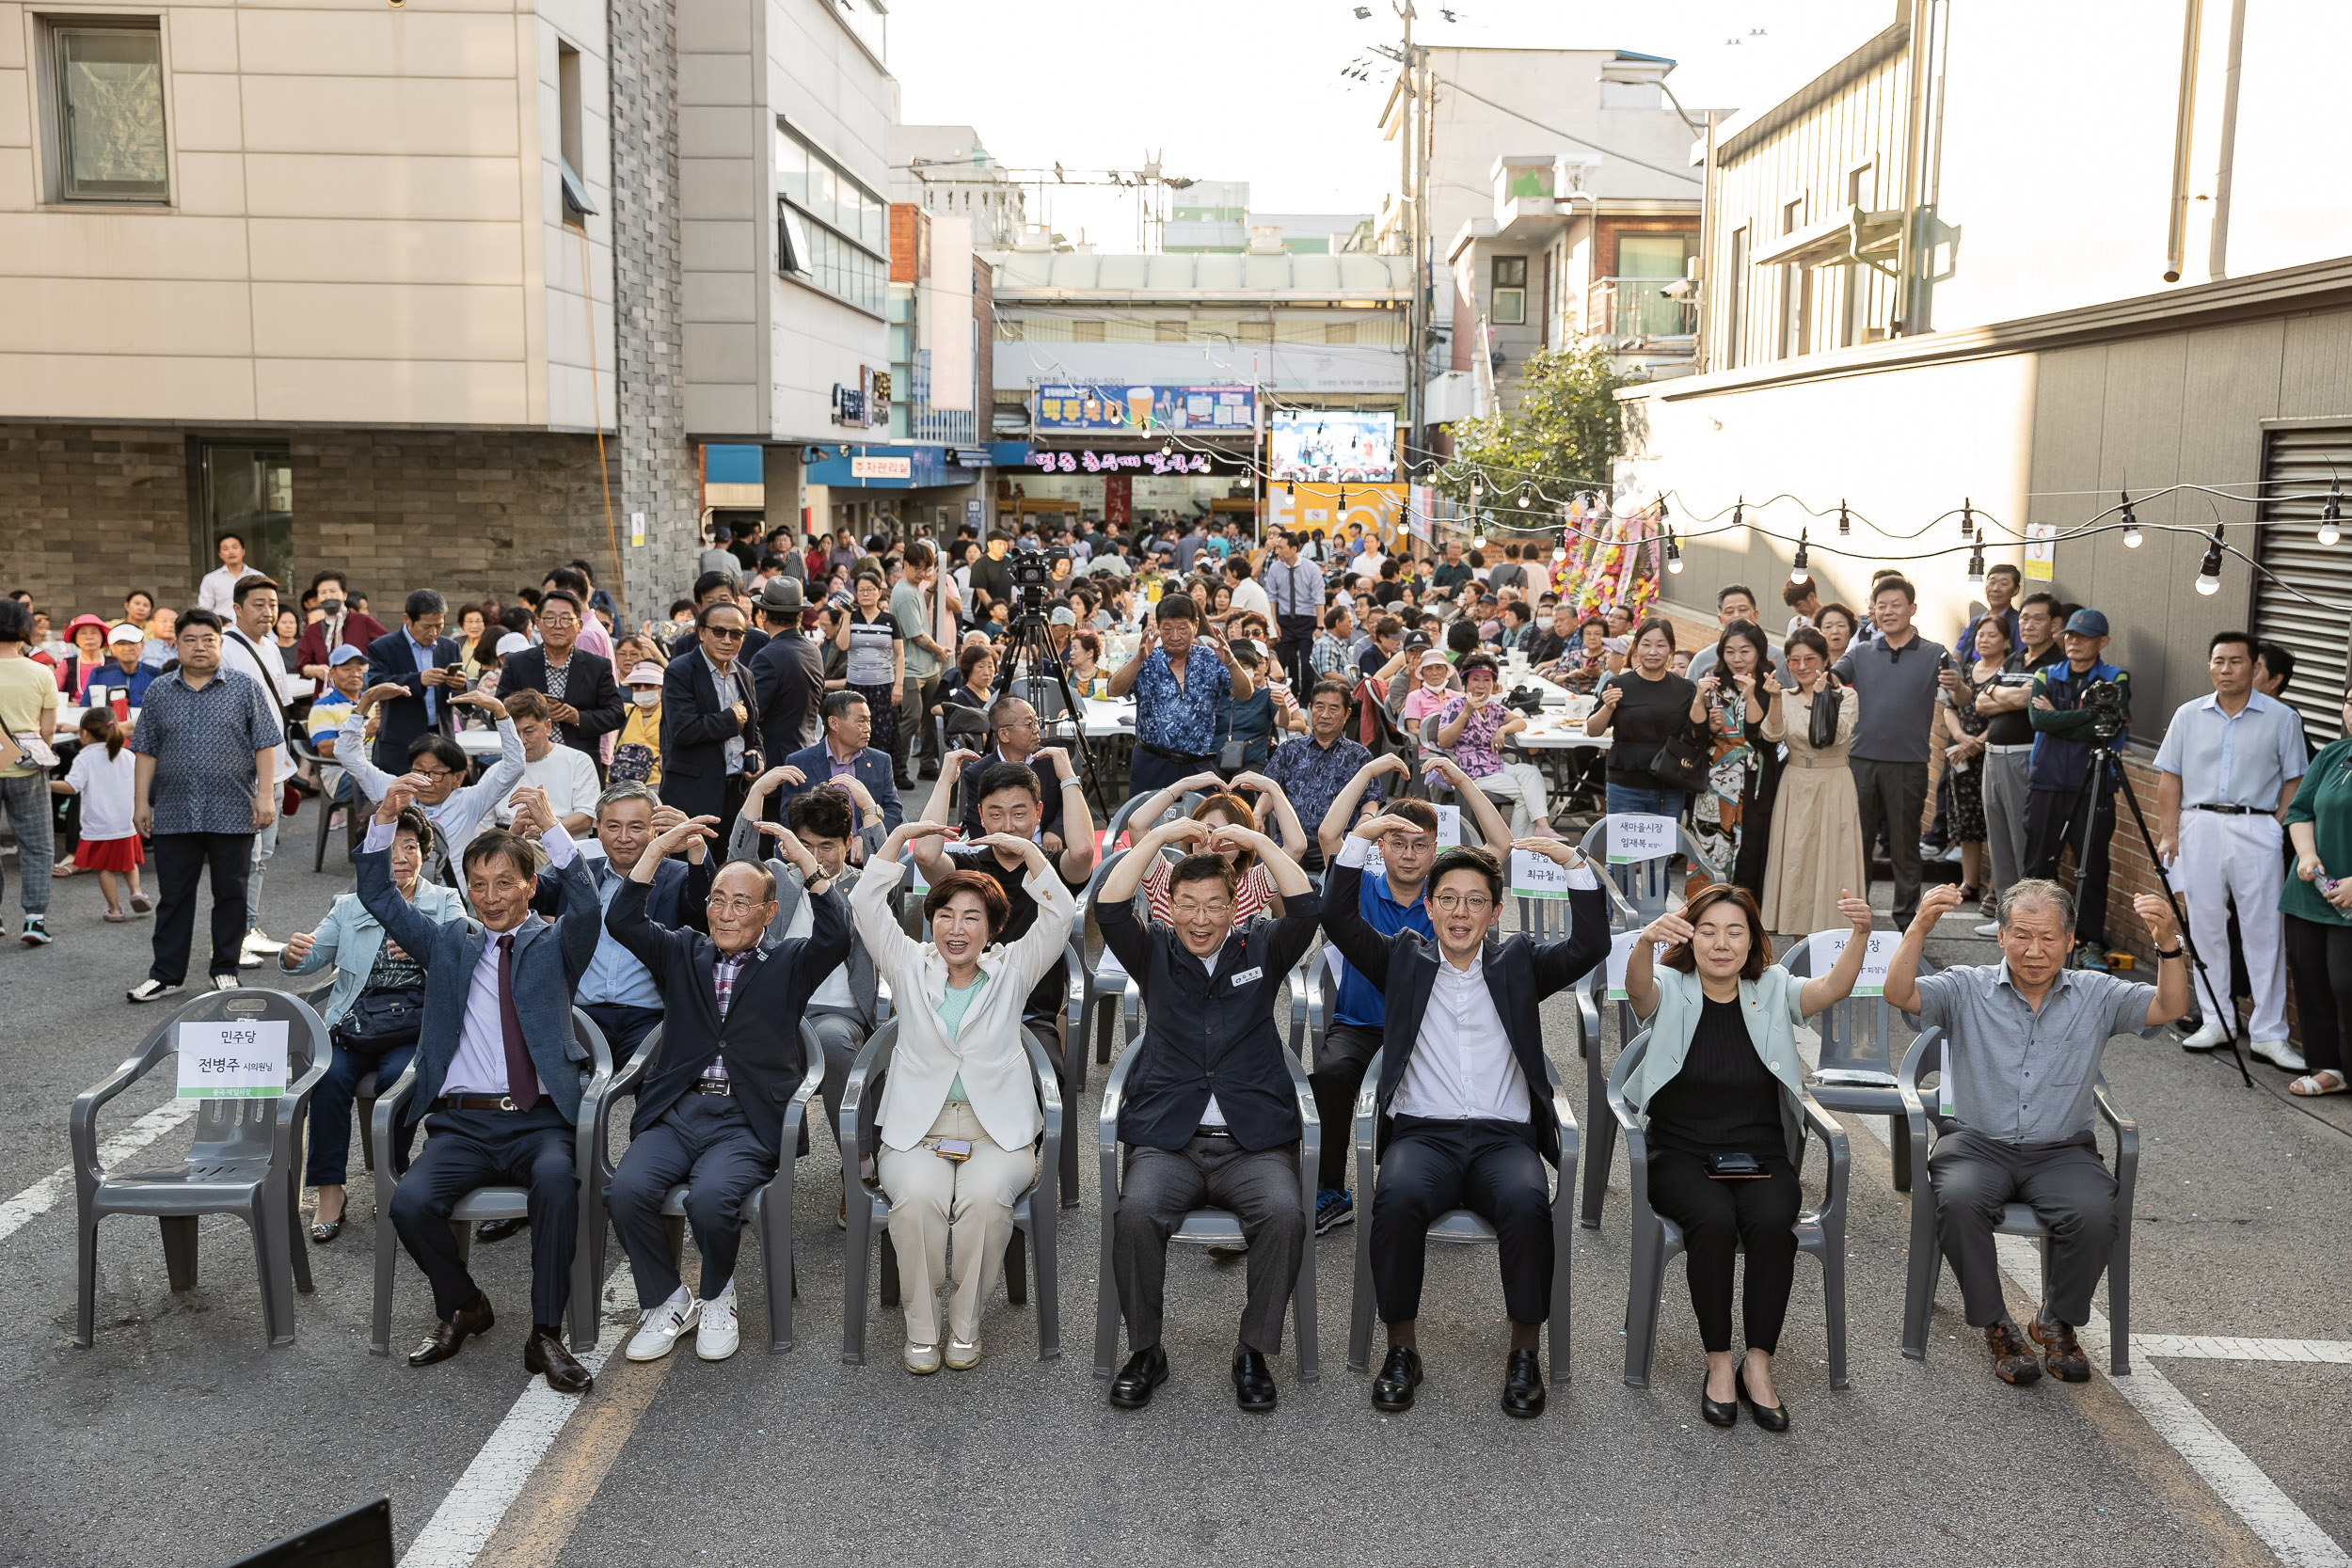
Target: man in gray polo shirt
(2224,776)
(1895,677)
(2022,1039)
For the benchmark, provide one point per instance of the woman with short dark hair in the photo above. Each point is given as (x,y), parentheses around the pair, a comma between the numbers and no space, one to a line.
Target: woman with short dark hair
(1641,708)
(959,1118)
(1722,1086)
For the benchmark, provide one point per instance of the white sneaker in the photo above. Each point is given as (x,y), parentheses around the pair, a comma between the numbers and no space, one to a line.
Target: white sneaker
(963,1354)
(922,1360)
(149,990)
(2212,1035)
(658,1334)
(1990,928)
(2280,1054)
(716,1339)
(225,982)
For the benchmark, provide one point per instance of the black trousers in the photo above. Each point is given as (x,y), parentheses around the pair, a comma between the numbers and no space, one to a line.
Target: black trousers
(1296,647)
(1338,1078)
(2319,960)
(2065,1183)
(1892,795)
(1493,1170)
(464,1149)
(1162,1185)
(1149,772)
(625,1027)
(181,860)
(2053,820)
(705,1143)
(1716,1218)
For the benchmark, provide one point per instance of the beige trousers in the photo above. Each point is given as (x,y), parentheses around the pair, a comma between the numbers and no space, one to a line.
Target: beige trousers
(934,1200)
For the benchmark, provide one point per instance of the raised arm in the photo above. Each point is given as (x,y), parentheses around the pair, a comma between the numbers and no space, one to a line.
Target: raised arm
(1076,860)
(1827,990)
(1902,969)
(402,920)
(1641,973)
(1294,838)
(1340,820)
(1123,679)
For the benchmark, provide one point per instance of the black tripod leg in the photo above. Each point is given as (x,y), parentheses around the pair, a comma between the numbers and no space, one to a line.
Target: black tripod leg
(2225,1013)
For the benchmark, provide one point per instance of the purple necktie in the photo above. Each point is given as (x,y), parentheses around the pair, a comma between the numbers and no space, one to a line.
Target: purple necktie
(522,1079)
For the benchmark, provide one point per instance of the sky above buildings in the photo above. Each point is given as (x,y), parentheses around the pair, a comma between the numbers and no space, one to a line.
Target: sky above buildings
(1254,89)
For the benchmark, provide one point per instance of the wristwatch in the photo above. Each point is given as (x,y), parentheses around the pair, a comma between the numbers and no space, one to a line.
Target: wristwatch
(2170,952)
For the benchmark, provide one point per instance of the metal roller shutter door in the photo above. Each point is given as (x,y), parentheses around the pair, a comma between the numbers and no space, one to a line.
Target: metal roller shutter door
(2298,468)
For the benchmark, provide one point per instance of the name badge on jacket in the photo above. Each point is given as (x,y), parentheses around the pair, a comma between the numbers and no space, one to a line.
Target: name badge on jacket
(1248,974)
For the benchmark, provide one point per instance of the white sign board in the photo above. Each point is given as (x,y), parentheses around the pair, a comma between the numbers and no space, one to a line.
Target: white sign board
(636,528)
(1534,876)
(881,468)
(1824,948)
(1449,827)
(1620,952)
(1634,838)
(232,1060)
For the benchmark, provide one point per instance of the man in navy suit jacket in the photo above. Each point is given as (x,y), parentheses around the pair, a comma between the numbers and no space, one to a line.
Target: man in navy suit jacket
(849,725)
(499,1074)
(711,742)
(1465,1114)
(710,1111)
(419,658)
(589,694)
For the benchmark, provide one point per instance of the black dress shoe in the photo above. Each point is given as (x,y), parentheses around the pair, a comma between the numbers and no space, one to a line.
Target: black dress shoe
(1523,1386)
(544,1353)
(449,1334)
(498,1231)
(1771,1418)
(1144,1371)
(326,1231)
(1719,1413)
(1253,1383)
(1392,1390)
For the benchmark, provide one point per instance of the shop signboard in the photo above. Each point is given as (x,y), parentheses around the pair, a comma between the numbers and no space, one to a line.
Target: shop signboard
(1091,409)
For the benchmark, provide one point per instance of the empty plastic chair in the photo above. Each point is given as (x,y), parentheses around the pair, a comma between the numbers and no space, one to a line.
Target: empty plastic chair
(245,1161)
(505,1203)
(1035,1213)
(2017,1219)
(1460,1226)
(1821,1231)
(1207,1227)
(1856,1071)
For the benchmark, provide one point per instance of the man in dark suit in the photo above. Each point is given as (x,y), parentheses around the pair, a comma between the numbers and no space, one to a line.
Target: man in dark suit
(425,664)
(1210,1114)
(1464,1116)
(710,1111)
(583,700)
(499,1073)
(849,725)
(709,589)
(711,741)
(790,671)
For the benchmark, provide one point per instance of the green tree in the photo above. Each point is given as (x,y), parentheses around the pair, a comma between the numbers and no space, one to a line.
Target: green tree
(1562,437)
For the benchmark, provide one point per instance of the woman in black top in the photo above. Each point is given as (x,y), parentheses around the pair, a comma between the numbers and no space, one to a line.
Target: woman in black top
(1641,709)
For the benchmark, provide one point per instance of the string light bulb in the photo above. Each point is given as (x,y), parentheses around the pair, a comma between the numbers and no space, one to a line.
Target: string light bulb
(1976,567)
(1478,539)
(1673,554)
(1289,489)
(1343,498)
(1560,551)
(2209,571)
(1844,528)
(2331,515)
(1527,496)
(2132,537)
(1967,520)
(1168,449)
(1737,509)
(1797,570)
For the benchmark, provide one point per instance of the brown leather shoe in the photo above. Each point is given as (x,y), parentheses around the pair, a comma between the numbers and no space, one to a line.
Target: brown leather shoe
(449,1337)
(2012,1355)
(544,1353)
(2063,1357)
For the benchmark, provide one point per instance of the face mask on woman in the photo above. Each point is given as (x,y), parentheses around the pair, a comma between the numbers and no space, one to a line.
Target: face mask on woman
(647,696)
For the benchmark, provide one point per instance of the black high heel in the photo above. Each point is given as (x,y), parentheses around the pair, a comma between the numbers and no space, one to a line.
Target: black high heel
(1718,1412)
(1771,1418)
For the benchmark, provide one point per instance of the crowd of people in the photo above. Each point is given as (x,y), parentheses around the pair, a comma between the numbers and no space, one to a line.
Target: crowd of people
(710,824)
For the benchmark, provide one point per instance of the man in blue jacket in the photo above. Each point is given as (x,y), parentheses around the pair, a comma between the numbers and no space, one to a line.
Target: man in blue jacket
(426,667)
(843,751)
(499,1073)
(2062,809)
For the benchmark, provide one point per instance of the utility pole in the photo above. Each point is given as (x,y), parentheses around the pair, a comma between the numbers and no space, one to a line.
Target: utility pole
(1409,139)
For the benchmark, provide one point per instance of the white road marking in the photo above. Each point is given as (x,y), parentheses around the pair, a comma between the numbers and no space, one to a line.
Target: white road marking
(470,1514)
(2217,1347)
(2237,1479)
(45,1194)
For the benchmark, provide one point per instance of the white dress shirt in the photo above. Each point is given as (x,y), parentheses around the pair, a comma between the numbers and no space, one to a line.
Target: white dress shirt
(1462,1068)
(1210,1115)
(217,593)
(239,653)
(480,1064)
(567,776)
(834,990)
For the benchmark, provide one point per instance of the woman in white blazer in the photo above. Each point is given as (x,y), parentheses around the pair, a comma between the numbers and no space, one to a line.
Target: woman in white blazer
(1720,1085)
(959,1118)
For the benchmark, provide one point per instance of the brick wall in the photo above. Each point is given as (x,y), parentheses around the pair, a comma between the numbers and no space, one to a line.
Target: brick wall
(654,468)
(90,512)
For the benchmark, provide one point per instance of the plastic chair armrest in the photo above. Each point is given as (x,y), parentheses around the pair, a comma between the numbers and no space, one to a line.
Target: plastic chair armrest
(1310,1121)
(1833,1137)
(857,1110)
(1106,1124)
(85,1107)
(388,1105)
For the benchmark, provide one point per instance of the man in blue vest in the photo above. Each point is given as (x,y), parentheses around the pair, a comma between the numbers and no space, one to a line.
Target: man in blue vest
(2061,809)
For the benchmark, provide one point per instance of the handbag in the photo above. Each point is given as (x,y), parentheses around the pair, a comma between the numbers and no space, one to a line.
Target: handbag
(380,1020)
(1683,760)
(1820,725)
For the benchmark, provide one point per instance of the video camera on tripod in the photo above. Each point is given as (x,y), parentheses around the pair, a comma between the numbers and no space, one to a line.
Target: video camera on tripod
(2105,702)
(1032,573)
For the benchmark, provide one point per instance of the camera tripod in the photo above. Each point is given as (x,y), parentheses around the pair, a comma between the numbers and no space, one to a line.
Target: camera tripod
(1027,639)
(2104,763)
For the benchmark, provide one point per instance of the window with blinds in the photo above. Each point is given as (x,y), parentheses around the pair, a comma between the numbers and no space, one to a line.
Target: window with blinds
(2299,466)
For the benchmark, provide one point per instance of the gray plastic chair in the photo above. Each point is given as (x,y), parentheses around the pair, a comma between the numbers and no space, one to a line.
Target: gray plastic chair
(245,1161)
(502,1203)
(1644,890)
(767,1209)
(1460,1226)
(2017,1219)
(1849,1045)
(1207,1227)
(1821,1231)
(1035,1213)
(1106,990)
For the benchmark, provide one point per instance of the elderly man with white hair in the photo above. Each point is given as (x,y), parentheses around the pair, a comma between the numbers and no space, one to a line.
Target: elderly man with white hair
(2023,1038)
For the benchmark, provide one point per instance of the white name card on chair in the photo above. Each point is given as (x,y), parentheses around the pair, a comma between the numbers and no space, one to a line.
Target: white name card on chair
(1449,827)
(1534,876)
(233,1060)
(1632,837)
(1822,949)
(1620,953)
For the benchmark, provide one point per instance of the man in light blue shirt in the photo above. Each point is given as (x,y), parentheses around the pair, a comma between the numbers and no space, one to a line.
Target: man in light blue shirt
(2224,776)
(616,992)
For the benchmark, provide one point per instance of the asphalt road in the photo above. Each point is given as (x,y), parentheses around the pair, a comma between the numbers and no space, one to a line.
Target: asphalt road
(180,1438)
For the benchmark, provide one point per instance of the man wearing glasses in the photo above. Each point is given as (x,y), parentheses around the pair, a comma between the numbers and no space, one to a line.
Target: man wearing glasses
(1019,735)
(711,742)
(583,702)
(438,766)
